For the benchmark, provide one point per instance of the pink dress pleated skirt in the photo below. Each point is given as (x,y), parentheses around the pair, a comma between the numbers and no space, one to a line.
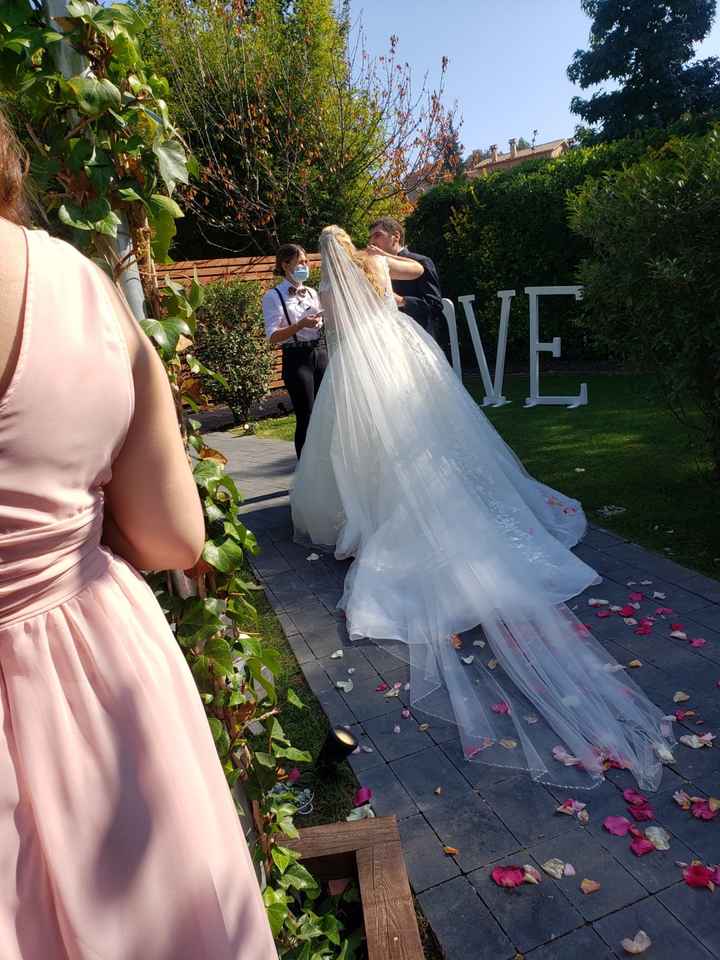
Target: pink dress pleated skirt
(119,839)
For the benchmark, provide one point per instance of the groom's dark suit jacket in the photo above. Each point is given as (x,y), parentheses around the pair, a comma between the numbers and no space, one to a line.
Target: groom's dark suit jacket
(423,299)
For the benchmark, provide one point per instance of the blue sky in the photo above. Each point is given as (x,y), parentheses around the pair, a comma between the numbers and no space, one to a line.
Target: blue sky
(507,59)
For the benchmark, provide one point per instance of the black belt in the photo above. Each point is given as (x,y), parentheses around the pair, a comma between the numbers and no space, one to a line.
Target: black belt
(302,345)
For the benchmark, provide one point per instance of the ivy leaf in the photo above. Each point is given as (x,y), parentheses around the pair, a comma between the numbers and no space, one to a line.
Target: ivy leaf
(165,333)
(277,914)
(277,732)
(218,650)
(95,96)
(282,857)
(220,735)
(294,699)
(225,556)
(97,215)
(172,163)
(199,620)
(264,759)
(129,194)
(162,202)
(292,753)
(205,472)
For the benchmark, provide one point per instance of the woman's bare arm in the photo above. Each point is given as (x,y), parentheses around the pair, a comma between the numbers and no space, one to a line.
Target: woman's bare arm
(154,517)
(401,268)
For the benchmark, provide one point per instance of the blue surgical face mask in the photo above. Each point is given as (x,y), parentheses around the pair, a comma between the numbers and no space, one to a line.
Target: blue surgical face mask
(301,273)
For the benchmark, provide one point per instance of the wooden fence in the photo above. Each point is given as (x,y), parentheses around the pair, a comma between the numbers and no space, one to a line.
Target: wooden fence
(234,268)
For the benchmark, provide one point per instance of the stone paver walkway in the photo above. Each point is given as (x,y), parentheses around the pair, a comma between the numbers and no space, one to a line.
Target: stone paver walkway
(494,816)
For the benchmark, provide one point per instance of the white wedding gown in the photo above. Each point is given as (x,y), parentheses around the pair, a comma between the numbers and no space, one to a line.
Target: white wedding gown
(402,471)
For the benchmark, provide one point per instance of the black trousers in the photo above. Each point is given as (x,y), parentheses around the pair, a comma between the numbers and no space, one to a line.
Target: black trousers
(302,370)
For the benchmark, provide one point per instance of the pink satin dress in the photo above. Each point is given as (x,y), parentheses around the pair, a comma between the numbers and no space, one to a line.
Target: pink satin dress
(119,839)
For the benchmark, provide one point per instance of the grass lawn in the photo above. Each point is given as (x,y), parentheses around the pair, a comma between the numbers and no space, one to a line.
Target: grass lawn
(631,450)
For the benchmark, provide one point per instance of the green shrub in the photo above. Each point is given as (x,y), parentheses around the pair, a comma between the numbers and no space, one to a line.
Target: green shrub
(231,341)
(510,230)
(651,281)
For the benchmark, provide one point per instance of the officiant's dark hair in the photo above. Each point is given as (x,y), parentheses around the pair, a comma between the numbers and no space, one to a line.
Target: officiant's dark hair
(14,165)
(391,226)
(286,253)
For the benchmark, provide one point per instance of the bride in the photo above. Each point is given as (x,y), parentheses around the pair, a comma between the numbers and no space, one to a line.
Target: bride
(402,471)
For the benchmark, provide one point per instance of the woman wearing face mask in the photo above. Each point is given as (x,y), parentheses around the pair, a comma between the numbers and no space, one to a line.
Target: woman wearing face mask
(293,321)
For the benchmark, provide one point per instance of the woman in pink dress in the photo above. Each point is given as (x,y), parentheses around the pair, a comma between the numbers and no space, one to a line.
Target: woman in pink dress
(119,838)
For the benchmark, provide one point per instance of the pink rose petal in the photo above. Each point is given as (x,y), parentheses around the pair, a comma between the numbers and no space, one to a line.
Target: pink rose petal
(617,826)
(508,876)
(362,796)
(698,642)
(635,597)
(640,846)
(501,707)
(633,797)
(642,813)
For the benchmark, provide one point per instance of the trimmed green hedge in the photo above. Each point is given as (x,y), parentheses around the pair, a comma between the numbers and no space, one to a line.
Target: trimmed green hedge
(652,294)
(231,341)
(510,230)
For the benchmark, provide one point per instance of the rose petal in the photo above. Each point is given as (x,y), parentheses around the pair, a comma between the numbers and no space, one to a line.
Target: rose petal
(294,775)
(636,597)
(584,817)
(681,697)
(596,602)
(554,867)
(697,875)
(569,870)
(508,876)
(450,851)
(682,799)
(589,886)
(640,846)
(456,641)
(532,874)
(603,614)
(501,707)
(634,798)
(508,743)
(313,557)
(678,635)
(695,741)
(701,810)
(639,943)
(405,714)
(345,685)
(617,826)
(626,611)
(658,837)
(381,687)
(635,663)
(362,796)
(698,642)
(337,655)
(561,754)
(642,813)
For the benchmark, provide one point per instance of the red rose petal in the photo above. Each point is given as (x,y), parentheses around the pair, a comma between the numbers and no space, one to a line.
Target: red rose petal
(508,876)
(642,813)
(635,798)
(697,875)
(640,846)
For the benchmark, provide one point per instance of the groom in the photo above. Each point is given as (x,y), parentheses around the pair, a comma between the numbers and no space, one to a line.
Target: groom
(421,299)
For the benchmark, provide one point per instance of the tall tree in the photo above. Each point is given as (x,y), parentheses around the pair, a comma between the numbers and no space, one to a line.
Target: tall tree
(294,125)
(647,47)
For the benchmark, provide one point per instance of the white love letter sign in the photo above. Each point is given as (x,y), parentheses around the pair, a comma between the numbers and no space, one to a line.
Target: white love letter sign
(536,348)
(449,311)
(493,390)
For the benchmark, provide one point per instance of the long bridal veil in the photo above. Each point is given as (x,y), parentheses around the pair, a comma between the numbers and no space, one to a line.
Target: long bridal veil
(402,471)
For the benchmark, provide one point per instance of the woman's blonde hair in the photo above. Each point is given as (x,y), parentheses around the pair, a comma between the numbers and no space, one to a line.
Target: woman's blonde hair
(358,257)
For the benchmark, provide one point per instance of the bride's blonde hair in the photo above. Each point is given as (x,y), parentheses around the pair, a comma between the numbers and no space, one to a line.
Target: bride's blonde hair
(358,257)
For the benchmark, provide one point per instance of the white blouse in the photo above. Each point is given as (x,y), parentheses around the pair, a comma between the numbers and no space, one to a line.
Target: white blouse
(299,301)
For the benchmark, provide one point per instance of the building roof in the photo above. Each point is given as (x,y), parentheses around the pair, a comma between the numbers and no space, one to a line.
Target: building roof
(540,150)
